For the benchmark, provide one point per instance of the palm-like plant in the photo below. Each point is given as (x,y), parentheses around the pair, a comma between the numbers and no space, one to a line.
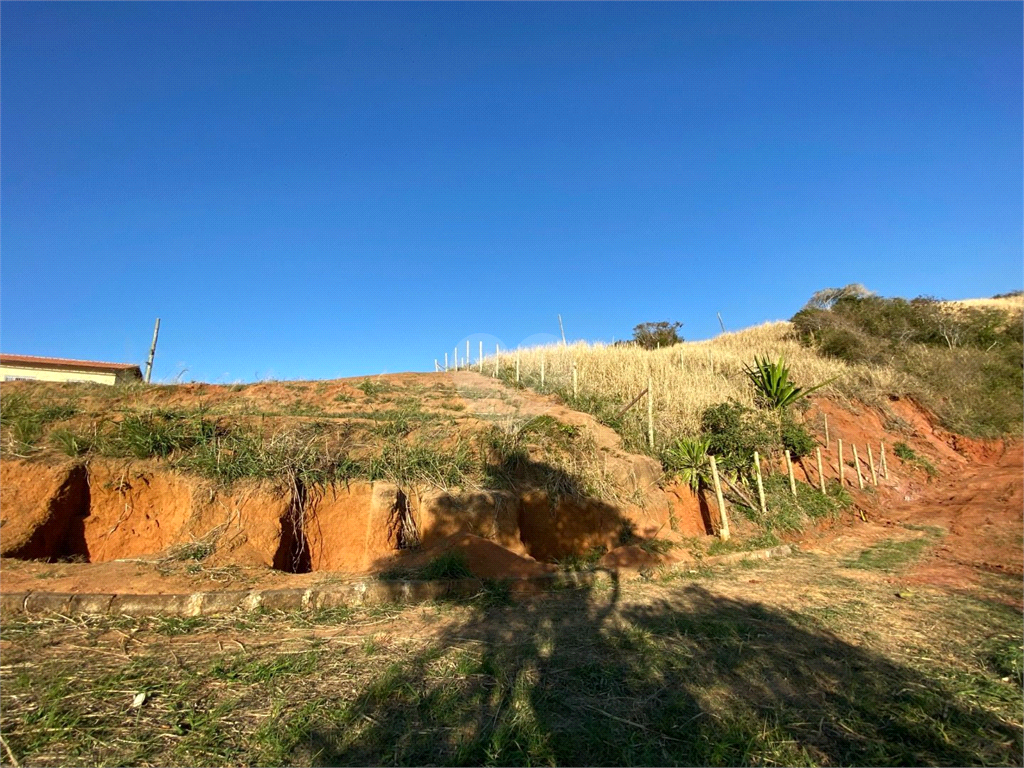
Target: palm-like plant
(771,380)
(689,458)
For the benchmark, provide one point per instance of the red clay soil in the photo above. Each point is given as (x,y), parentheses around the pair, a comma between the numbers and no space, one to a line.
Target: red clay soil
(134,523)
(977,497)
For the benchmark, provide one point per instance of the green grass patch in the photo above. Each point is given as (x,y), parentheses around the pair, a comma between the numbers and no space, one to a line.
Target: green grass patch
(23,418)
(891,554)
(788,513)
(908,455)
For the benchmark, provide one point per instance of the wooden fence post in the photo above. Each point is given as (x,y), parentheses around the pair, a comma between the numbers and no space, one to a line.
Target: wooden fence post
(467,355)
(496,363)
(789,469)
(885,464)
(827,442)
(723,531)
(436,366)
(760,485)
(650,411)
(446,361)
(842,467)
(871,463)
(821,475)
(481,360)
(455,359)
(856,460)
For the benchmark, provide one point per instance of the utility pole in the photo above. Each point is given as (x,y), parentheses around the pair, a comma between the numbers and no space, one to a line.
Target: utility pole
(152,350)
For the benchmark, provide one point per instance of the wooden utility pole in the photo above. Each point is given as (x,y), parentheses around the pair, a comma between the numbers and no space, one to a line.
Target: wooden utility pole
(152,351)
(821,475)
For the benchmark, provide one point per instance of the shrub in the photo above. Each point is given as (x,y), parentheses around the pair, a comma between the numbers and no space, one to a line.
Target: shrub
(689,459)
(734,432)
(795,437)
(961,362)
(654,335)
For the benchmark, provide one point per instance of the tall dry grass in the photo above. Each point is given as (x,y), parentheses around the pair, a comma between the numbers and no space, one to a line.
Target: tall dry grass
(689,377)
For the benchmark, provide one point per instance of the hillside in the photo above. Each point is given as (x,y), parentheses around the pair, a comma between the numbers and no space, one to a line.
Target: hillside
(390,473)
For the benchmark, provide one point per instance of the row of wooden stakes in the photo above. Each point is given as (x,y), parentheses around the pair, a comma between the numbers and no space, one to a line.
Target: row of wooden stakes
(883,469)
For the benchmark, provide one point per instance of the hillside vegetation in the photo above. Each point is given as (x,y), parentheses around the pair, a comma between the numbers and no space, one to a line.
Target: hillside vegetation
(961,360)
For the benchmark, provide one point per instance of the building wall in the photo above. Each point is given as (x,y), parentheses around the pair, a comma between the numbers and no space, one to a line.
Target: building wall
(11,372)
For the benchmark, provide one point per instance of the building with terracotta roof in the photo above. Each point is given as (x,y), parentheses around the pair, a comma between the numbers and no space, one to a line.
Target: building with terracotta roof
(21,367)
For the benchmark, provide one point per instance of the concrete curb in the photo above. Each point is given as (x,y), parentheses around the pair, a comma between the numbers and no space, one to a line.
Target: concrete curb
(364,592)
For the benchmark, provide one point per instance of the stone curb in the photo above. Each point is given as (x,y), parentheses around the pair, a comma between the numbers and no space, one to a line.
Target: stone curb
(366,592)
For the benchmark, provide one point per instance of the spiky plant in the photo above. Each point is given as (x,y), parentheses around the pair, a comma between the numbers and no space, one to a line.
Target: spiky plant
(771,380)
(689,459)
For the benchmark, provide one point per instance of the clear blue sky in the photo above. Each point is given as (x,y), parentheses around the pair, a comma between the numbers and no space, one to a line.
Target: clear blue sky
(322,190)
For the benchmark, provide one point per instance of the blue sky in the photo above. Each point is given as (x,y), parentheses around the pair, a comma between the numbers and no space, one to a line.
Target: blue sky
(327,189)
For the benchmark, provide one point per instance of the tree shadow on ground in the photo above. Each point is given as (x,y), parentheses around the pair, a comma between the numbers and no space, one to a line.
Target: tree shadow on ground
(585,677)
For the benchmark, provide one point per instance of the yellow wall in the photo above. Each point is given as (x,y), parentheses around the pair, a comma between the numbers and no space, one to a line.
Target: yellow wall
(8,372)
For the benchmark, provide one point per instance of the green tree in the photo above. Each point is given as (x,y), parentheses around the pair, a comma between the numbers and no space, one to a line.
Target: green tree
(654,335)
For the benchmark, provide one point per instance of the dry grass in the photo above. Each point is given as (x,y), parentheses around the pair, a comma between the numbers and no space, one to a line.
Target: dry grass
(692,376)
(1007,304)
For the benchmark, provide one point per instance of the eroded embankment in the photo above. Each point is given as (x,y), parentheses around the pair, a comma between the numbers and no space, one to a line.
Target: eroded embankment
(104,511)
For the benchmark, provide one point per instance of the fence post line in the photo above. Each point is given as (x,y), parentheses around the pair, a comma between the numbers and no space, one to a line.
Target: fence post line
(650,411)
(723,531)
(789,470)
(842,467)
(821,475)
(827,442)
(760,484)
(871,463)
(856,460)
